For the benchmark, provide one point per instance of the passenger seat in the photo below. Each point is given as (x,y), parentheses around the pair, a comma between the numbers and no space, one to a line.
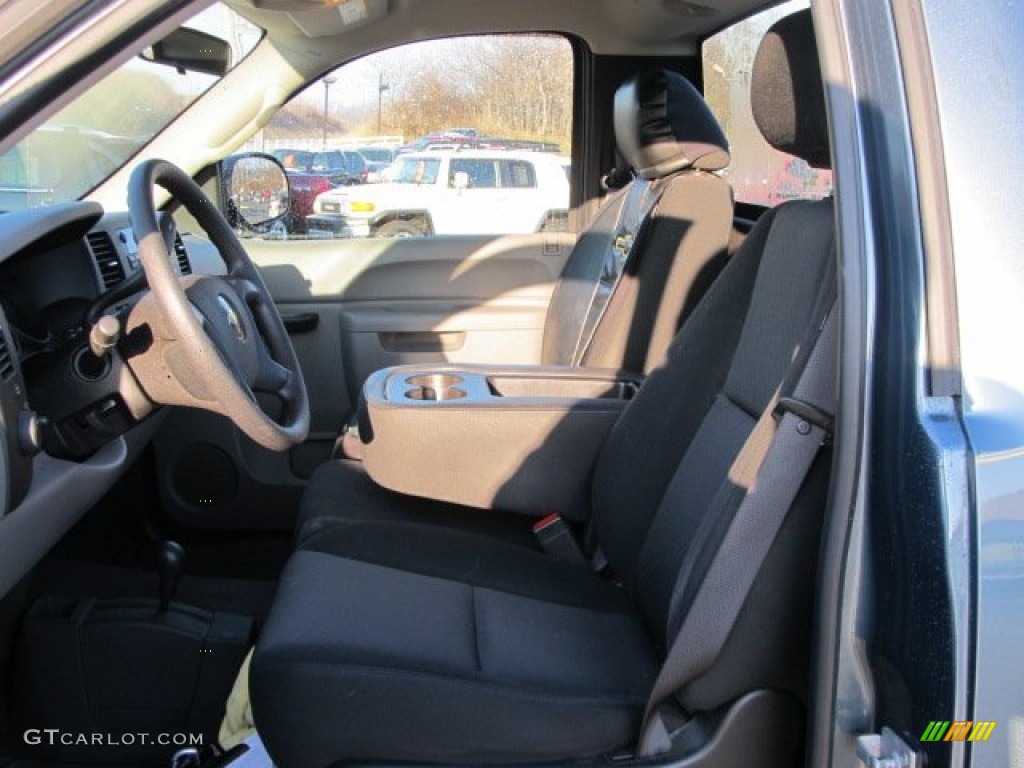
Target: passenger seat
(631,281)
(640,269)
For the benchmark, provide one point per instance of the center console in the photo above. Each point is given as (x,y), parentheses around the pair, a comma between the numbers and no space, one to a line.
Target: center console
(517,438)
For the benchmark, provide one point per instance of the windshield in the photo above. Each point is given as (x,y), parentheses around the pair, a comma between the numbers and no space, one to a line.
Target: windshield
(416,170)
(97,133)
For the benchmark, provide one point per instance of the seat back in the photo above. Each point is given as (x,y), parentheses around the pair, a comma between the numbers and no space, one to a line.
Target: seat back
(670,459)
(656,244)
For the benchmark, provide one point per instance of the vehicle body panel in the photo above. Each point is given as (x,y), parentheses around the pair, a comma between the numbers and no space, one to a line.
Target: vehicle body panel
(977,99)
(925,628)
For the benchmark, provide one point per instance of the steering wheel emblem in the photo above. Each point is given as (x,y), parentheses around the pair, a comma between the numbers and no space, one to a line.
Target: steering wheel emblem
(234,322)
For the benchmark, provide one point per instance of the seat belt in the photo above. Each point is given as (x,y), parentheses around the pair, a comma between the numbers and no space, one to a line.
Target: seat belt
(631,225)
(774,462)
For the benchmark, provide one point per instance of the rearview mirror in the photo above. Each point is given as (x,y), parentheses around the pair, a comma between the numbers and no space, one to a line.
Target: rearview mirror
(189,50)
(257,193)
(461,180)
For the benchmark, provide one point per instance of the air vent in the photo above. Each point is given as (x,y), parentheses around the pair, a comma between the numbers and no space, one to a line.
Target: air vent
(6,361)
(107,261)
(184,266)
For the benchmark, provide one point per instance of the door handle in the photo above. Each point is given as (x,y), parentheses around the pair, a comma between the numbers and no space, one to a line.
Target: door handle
(304,322)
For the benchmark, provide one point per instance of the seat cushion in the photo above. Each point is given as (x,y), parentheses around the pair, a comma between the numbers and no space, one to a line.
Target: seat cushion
(469,558)
(341,491)
(360,661)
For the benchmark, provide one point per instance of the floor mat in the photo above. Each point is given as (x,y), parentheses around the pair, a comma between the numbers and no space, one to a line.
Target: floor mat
(62,577)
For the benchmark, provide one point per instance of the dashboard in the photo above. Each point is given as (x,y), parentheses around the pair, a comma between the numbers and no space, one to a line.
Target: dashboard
(71,420)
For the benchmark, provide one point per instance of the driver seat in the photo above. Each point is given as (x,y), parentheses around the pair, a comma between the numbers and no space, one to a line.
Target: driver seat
(391,641)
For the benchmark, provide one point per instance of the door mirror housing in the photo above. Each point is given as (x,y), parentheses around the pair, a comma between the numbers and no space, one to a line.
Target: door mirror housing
(256,192)
(461,180)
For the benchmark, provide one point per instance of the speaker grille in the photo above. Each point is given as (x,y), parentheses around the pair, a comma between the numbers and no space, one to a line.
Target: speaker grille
(205,477)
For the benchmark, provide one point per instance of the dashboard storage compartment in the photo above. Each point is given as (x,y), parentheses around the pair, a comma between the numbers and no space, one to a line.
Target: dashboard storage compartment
(516,438)
(118,667)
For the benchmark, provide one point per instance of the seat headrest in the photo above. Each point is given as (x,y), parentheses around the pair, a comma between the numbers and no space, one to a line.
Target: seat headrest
(663,124)
(787,96)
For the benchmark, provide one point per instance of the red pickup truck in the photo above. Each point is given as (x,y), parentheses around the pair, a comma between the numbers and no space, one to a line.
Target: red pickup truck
(311,173)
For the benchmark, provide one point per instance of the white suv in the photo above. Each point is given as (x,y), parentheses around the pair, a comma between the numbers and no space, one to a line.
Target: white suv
(451,193)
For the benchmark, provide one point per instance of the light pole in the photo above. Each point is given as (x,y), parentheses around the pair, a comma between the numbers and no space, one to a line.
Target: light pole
(328,81)
(381,87)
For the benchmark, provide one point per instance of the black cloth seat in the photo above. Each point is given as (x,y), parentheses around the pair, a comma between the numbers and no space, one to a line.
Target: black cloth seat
(633,278)
(397,639)
(424,658)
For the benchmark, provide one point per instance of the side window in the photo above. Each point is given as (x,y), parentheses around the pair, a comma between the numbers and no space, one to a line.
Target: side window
(517,173)
(381,139)
(759,174)
(480,173)
(322,161)
(416,170)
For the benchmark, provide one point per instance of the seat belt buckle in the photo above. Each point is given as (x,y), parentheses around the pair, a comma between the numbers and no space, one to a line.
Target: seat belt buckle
(556,539)
(810,414)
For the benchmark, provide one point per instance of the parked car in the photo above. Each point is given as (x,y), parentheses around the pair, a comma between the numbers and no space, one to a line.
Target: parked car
(450,192)
(377,160)
(470,138)
(313,173)
(447,139)
(340,166)
(342,161)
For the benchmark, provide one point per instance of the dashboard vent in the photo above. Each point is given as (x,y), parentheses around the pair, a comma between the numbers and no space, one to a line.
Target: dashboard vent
(184,266)
(107,261)
(6,361)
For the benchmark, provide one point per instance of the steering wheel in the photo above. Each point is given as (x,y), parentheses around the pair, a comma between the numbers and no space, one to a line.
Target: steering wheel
(207,341)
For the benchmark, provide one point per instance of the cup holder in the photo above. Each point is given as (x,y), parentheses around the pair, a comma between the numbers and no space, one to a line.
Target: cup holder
(435,387)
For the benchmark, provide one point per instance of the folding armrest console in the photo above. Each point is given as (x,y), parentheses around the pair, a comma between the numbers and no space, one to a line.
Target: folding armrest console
(517,438)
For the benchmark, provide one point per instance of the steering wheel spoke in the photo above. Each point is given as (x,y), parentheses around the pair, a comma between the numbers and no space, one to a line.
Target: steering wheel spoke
(272,377)
(247,290)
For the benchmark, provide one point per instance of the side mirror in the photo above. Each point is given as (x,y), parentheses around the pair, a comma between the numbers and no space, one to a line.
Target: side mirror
(460,180)
(257,193)
(189,50)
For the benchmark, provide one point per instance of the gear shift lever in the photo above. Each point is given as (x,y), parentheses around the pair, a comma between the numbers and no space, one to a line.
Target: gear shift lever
(172,566)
